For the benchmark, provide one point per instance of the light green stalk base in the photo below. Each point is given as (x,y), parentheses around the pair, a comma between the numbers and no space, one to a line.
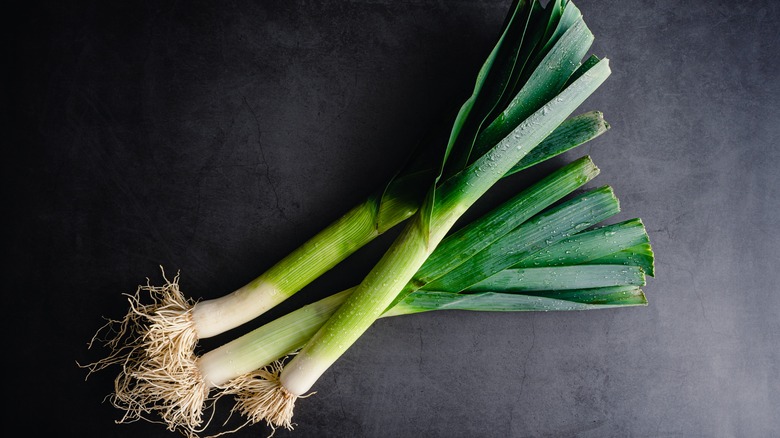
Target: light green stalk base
(291,274)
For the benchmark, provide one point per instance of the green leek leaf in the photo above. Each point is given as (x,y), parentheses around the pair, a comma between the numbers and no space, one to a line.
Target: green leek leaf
(587,246)
(543,84)
(602,295)
(532,236)
(426,301)
(640,255)
(570,134)
(585,66)
(479,234)
(560,278)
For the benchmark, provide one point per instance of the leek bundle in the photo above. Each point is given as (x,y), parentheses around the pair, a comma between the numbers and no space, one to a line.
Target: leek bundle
(527,255)
(538,53)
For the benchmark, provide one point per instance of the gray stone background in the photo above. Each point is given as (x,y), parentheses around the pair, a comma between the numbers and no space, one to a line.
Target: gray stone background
(213,138)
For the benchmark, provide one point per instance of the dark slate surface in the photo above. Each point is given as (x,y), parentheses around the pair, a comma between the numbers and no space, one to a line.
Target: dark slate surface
(213,138)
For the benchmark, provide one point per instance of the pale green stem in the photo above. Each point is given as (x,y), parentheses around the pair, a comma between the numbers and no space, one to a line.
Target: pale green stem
(292,273)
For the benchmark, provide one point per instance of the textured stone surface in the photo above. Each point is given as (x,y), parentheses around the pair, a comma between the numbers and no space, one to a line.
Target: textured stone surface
(214,138)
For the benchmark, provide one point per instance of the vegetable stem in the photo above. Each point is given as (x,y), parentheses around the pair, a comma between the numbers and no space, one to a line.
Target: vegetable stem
(315,257)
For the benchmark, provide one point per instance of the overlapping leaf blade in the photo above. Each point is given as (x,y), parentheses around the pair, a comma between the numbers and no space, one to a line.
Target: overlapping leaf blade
(532,236)
(481,233)
(568,135)
(427,301)
(560,278)
(590,246)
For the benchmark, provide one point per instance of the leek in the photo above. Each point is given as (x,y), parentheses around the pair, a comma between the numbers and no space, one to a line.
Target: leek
(526,69)
(517,116)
